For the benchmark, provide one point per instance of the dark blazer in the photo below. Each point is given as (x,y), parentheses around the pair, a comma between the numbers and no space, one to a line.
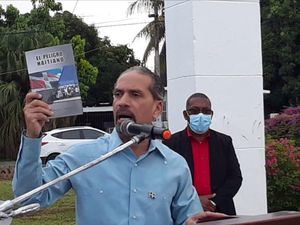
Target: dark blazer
(226,177)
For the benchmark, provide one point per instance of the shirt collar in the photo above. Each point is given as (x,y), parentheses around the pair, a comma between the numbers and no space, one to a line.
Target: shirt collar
(157,145)
(190,135)
(115,141)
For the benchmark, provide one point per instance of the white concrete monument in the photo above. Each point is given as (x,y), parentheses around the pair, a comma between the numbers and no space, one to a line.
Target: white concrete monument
(214,47)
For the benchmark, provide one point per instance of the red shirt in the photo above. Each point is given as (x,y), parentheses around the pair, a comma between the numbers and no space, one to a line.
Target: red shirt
(201,165)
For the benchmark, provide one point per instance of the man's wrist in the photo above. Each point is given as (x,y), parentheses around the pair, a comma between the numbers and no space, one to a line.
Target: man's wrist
(26,134)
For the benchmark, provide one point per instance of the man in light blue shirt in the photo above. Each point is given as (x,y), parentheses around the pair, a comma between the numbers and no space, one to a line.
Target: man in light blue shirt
(146,184)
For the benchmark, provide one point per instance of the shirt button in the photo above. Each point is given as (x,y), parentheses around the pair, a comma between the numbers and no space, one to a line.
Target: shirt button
(165,162)
(101,192)
(134,190)
(135,164)
(133,217)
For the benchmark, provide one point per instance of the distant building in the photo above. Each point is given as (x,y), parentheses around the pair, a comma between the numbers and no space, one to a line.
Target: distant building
(99,117)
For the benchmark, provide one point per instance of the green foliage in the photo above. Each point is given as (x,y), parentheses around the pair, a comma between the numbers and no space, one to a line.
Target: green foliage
(87,73)
(74,26)
(11,15)
(10,119)
(285,125)
(37,29)
(283,160)
(61,213)
(281,53)
(14,78)
(108,59)
(111,61)
(87,76)
(283,175)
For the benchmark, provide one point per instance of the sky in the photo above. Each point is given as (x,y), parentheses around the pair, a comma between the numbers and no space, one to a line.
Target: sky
(109,16)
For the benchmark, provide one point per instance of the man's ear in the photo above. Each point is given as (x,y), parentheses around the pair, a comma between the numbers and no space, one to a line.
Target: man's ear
(185,115)
(158,110)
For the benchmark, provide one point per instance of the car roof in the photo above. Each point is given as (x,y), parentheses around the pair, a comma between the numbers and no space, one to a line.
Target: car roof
(73,128)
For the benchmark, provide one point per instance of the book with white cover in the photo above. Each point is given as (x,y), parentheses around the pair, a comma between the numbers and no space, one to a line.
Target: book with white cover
(52,73)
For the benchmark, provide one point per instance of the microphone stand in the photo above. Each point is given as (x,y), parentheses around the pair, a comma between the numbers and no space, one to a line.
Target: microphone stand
(6,207)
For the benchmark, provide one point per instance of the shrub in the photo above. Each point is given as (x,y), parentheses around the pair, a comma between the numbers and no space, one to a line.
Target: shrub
(283,174)
(285,125)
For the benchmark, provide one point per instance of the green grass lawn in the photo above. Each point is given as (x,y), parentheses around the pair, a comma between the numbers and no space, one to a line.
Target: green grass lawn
(61,213)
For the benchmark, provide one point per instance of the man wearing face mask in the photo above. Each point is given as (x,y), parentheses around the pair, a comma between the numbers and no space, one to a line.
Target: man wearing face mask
(210,155)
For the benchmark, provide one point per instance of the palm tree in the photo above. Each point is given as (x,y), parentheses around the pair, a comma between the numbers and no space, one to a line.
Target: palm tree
(154,29)
(10,119)
(13,77)
(13,87)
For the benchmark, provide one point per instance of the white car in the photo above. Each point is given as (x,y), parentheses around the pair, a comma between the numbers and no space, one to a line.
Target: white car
(59,140)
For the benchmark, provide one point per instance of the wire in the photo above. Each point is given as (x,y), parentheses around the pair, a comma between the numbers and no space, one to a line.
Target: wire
(92,50)
(15,71)
(75,6)
(20,70)
(123,24)
(22,32)
(112,21)
(112,25)
(176,4)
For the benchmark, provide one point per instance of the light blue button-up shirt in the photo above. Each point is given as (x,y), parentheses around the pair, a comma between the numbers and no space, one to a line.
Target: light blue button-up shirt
(154,189)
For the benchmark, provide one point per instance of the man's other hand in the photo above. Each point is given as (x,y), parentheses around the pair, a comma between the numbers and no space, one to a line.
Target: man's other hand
(207,204)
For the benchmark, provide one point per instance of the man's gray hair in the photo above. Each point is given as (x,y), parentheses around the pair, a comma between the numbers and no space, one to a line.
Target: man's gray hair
(156,88)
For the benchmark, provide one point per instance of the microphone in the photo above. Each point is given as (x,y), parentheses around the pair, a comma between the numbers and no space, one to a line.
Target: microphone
(128,127)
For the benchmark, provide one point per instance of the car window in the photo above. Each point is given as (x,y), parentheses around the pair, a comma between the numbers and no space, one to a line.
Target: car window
(71,134)
(91,134)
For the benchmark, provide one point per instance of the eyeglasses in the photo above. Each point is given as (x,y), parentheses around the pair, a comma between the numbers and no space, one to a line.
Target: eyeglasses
(194,111)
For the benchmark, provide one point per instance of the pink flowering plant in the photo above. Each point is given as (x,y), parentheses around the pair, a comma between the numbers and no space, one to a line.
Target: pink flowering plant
(283,160)
(285,125)
(283,174)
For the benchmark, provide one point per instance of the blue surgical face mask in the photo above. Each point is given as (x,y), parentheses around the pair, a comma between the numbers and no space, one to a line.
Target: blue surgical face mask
(199,123)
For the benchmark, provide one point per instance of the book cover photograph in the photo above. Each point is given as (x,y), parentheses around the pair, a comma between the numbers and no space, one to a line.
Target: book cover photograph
(52,73)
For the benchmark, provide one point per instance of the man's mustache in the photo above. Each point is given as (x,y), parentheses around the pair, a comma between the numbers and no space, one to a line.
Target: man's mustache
(124,112)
